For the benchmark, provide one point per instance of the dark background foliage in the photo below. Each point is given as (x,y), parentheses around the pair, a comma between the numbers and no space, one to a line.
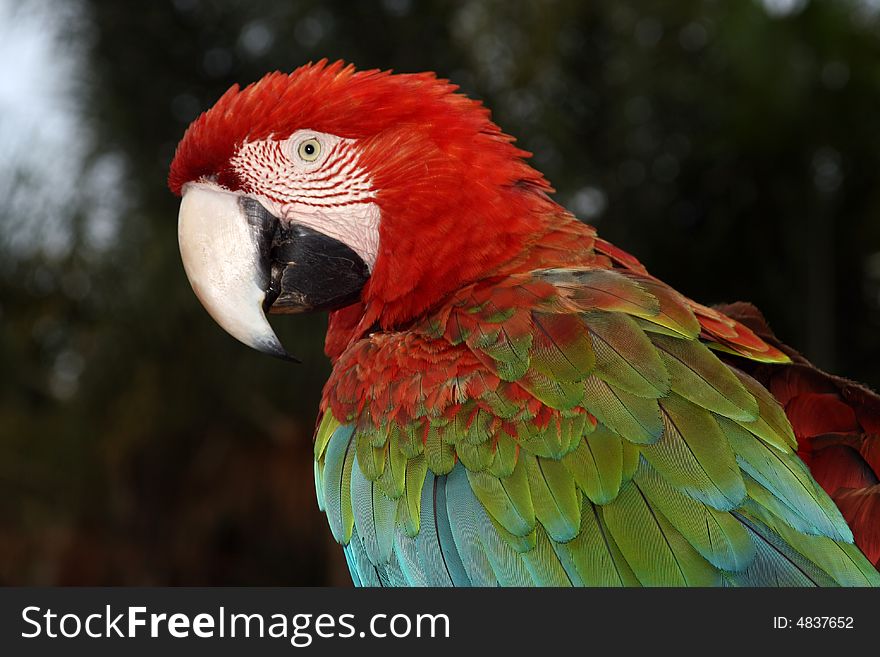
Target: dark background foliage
(732,146)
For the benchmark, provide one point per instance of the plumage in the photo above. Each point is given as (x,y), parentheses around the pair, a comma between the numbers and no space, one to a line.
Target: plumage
(554,496)
(694,456)
(594,555)
(359,563)
(544,564)
(439,454)
(788,480)
(637,419)
(698,375)
(371,459)
(436,546)
(515,401)
(336,477)
(771,424)
(861,507)
(507,563)
(654,549)
(508,500)
(776,563)
(625,357)
(463,521)
(715,534)
(407,554)
(841,560)
(410,505)
(597,289)
(597,465)
(392,481)
(561,349)
(374,516)
(452,557)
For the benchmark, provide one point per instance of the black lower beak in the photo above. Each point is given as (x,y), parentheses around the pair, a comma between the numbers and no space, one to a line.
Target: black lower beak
(307,270)
(311,271)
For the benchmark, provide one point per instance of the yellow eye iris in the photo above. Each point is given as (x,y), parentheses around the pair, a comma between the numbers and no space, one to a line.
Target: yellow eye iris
(309,150)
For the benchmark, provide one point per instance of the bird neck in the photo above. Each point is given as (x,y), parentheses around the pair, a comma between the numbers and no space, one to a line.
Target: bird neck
(422,274)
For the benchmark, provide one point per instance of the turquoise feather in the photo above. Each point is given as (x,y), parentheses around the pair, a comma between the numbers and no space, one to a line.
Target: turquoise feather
(787,479)
(460,508)
(374,516)
(359,562)
(407,554)
(843,562)
(777,563)
(437,552)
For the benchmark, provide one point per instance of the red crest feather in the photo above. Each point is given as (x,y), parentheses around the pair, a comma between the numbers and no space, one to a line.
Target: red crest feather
(333,98)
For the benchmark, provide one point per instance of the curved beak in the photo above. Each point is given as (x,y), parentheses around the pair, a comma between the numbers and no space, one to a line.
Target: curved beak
(242,262)
(224,251)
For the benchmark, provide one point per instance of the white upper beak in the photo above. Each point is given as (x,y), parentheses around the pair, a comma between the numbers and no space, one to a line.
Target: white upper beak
(224,256)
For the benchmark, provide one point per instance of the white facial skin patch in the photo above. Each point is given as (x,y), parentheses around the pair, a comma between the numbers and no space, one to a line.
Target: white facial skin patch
(313,179)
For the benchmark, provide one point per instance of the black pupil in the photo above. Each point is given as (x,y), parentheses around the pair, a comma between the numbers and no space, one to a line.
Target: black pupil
(309,149)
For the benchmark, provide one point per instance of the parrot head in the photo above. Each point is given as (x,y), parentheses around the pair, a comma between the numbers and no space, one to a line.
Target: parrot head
(329,187)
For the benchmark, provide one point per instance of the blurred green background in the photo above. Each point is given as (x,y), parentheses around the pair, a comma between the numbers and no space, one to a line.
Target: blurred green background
(733,146)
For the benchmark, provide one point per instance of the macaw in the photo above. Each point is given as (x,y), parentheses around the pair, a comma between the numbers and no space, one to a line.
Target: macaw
(513,400)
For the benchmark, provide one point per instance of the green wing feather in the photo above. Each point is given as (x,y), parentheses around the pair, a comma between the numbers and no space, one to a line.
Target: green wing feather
(507,499)
(635,418)
(555,497)
(597,465)
(409,508)
(771,425)
(625,357)
(698,376)
(657,552)
(590,439)
(336,478)
(544,564)
(716,535)
(782,479)
(594,555)
(561,349)
(694,455)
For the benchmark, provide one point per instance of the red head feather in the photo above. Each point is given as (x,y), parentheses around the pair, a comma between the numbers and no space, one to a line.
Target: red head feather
(457,199)
(331,98)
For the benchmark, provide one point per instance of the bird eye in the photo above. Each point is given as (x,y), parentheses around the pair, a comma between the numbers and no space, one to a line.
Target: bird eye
(309,150)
